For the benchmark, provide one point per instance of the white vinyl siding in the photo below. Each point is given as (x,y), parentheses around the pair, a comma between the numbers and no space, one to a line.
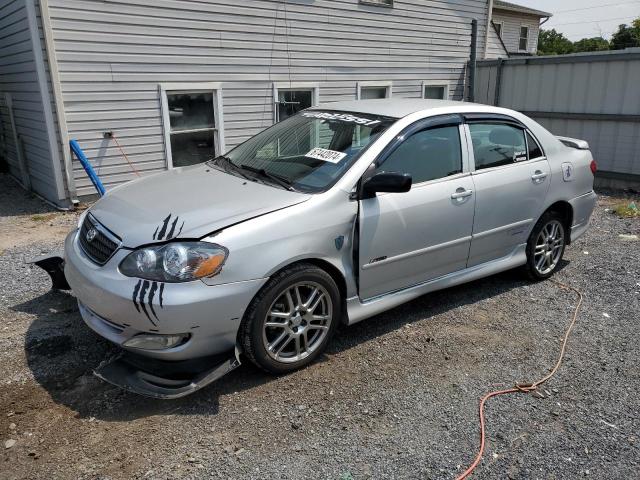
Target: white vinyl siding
(511,25)
(495,47)
(111,57)
(19,78)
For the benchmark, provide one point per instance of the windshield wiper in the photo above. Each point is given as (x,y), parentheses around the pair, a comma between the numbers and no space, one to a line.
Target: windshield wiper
(274,178)
(227,165)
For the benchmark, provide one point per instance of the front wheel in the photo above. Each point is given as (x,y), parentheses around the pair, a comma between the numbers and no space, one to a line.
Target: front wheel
(545,246)
(291,320)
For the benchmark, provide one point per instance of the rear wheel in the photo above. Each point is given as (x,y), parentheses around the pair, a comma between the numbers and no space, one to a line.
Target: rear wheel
(291,320)
(545,246)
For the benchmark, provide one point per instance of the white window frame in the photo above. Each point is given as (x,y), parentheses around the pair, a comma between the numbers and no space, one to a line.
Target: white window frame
(521,37)
(501,28)
(435,83)
(218,118)
(378,84)
(288,86)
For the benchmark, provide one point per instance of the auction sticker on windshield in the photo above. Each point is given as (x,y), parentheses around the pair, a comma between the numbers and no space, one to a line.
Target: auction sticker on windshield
(326,155)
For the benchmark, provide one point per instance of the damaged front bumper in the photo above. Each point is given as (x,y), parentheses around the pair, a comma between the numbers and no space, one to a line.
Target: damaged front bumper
(162,379)
(210,313)
(54,266)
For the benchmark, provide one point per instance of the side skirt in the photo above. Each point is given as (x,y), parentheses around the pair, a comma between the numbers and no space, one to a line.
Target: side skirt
(358,310)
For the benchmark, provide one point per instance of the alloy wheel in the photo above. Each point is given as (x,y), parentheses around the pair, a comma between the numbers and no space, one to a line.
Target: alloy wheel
(297,322)
(548,249)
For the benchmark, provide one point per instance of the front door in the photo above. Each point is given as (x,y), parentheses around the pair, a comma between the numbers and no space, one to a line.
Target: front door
(511,179)
(408,238)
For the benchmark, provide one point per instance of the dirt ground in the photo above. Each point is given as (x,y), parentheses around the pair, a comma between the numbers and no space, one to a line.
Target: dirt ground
(394,397)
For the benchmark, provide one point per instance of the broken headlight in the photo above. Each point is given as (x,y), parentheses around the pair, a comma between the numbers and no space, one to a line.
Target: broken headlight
(175,262)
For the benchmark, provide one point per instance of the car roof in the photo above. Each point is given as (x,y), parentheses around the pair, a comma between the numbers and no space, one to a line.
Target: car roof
(394,107)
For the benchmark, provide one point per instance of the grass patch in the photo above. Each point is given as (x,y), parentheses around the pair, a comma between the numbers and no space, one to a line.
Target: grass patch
(45,217)
(626,210)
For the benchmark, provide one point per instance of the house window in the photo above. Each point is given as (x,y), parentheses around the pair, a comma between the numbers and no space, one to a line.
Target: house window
(370,90)
(498,26)
(524,38)
(436,91)
(192,118)
(290,99)
(378,3)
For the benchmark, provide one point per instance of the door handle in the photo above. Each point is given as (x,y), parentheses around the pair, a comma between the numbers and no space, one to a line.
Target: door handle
(538,176)
(461,193)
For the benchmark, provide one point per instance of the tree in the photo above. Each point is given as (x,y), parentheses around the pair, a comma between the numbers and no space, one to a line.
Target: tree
(626,36)
(593,44)
(551,42)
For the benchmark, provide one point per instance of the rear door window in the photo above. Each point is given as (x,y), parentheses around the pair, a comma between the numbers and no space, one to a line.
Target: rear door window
(534,148)
(497,144)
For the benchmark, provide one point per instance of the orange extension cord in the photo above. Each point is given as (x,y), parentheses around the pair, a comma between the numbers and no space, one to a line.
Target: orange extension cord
(523,387)
(125,155)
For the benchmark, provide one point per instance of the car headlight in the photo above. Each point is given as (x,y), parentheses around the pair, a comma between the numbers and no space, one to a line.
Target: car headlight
(175,262)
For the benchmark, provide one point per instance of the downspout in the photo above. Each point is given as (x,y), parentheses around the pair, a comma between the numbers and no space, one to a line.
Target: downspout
(58,101)
(486,33)
(472,61)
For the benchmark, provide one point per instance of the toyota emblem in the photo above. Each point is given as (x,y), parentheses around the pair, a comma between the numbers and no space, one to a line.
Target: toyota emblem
(91,234)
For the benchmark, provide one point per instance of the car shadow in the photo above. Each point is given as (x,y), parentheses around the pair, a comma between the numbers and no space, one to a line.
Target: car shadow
(62,352)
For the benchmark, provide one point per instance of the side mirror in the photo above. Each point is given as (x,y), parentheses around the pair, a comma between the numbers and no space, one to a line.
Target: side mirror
(386,182)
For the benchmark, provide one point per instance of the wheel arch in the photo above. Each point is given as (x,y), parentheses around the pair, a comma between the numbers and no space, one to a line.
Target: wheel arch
(334,272)
(565,211)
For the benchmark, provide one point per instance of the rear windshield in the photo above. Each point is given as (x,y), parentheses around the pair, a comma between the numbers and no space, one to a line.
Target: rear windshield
(309,151)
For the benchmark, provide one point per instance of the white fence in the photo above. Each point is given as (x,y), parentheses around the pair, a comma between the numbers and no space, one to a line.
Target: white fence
(593,96)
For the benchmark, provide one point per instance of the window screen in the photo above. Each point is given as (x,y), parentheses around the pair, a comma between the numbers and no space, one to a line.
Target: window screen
(373,92)
(534,149)
(191,127)
(524,38)
(291,102)
(497,144)
(498,29)
(436,92)
(427,155)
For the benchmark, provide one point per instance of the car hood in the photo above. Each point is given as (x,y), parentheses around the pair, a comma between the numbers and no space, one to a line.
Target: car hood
(188,202)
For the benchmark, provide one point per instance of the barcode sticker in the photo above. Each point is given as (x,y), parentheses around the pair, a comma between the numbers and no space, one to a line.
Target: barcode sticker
(326,155)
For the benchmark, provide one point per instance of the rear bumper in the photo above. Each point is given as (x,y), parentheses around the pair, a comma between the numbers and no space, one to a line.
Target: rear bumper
(118,307)
(582,209)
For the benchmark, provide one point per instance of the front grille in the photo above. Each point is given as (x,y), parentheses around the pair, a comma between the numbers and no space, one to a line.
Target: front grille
(99,247)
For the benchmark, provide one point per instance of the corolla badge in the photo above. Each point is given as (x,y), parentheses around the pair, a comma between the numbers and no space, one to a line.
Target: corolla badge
(91,234)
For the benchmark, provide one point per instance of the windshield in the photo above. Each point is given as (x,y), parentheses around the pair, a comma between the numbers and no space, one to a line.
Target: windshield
(309,151)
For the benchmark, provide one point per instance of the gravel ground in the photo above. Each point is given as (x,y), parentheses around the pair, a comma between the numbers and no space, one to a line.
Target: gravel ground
(394,397)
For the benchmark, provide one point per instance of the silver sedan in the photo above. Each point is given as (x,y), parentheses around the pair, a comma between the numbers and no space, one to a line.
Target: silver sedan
(333,215)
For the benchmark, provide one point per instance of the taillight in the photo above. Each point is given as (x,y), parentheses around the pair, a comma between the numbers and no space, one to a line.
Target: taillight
(594,166)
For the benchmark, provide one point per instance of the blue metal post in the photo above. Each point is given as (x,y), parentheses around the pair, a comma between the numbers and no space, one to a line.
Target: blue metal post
(75,148)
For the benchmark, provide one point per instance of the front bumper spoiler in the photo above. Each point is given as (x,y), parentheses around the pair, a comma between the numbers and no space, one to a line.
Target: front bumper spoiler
(54,266)
(165,380)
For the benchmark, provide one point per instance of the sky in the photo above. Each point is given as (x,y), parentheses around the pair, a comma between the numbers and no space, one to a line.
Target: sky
(578,19)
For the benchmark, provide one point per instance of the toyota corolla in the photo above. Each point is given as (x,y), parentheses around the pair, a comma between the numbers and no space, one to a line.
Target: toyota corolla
(333,215)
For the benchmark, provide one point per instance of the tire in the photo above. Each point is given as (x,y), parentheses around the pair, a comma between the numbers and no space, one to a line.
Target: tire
(544,256)
(302,306)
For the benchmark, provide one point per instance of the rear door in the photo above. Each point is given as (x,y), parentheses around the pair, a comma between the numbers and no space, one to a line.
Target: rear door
(511,178)
(408,238)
